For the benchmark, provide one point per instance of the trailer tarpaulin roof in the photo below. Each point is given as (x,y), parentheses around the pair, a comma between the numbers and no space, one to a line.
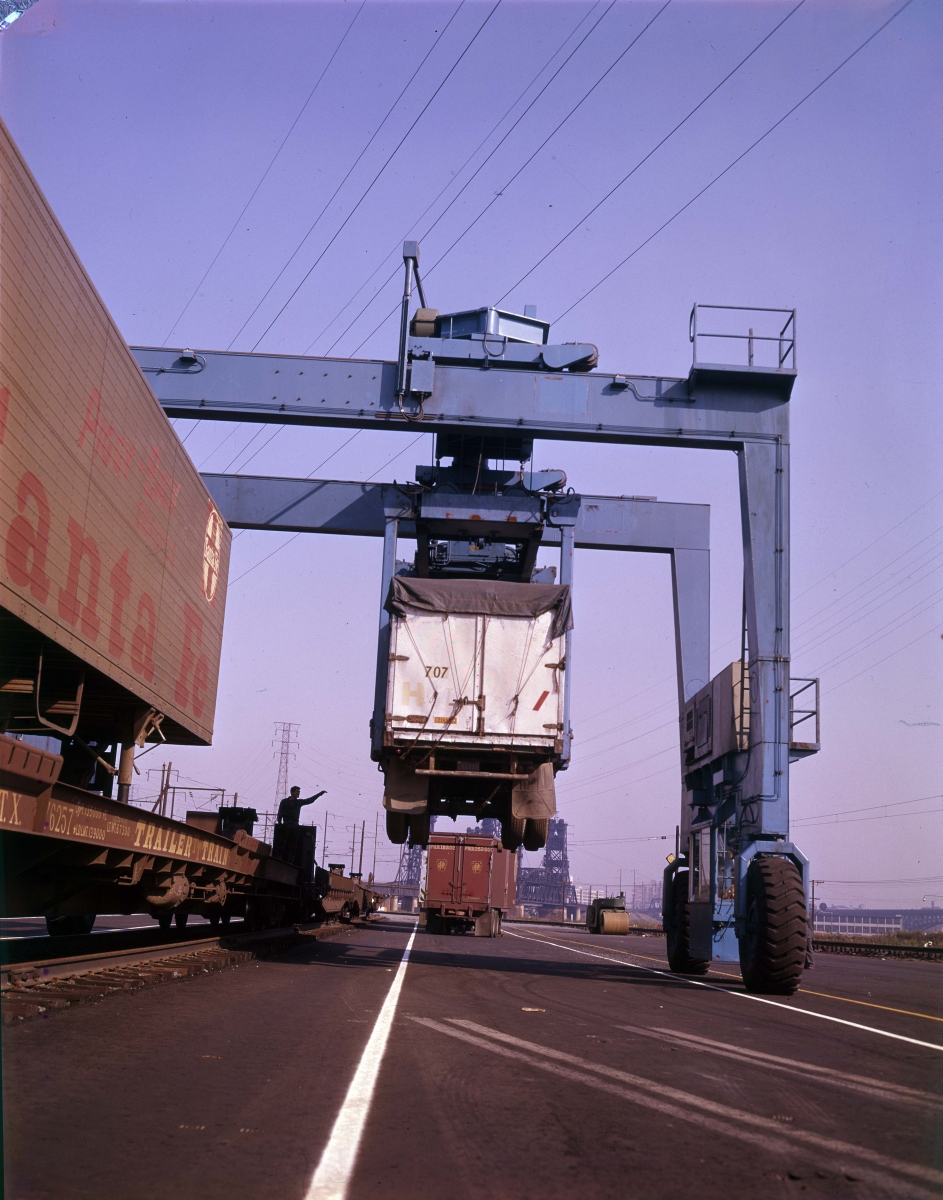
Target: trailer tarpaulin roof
(487,597)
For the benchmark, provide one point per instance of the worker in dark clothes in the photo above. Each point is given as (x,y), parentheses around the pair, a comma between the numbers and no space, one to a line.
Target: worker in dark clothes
(289,809)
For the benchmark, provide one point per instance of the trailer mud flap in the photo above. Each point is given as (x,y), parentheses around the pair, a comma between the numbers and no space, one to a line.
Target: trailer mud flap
(536,797)
(404,790)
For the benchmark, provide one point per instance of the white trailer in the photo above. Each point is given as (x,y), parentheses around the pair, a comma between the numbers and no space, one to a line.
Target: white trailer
(475,704)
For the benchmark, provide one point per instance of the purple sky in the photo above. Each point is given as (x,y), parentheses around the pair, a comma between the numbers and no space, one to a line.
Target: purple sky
(150,125)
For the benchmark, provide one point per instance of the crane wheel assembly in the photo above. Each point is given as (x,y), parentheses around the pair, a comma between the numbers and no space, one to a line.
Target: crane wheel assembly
(773,952)
(678,931)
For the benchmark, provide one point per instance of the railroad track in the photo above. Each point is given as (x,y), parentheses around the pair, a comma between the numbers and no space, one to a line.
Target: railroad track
(35,987)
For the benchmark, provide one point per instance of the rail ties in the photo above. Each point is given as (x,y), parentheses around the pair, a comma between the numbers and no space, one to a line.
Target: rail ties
(32,989)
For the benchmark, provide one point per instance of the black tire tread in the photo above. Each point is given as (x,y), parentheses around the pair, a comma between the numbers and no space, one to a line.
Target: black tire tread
(776,885)
(679,956)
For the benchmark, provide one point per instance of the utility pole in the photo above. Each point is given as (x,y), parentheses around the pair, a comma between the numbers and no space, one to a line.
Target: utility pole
(363,826)
(376,834)
(353,845)
(285,743)
(324,843)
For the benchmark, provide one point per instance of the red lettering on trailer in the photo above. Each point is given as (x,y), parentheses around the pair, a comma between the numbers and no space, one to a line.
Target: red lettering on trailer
(27,547)
(543,697)
(82,549)
(120,581)
(142,640)
(190,690)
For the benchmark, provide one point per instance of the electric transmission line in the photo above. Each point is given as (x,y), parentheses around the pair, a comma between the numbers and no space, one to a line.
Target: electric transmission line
(730,166)
(376,177)
(350,171)
(641,162)
(265,174)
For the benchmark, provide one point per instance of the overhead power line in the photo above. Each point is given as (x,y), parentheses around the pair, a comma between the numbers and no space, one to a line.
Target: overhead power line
(265,174)
(491,153)
(740,157)
(556,129)
(350,171)
(376,177)
(642,161)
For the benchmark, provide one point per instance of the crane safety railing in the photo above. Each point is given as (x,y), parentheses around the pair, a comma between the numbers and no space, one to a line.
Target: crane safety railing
(805,691)
(784,340)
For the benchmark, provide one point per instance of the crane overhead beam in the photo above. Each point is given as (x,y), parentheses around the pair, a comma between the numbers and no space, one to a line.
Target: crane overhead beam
(358,510)
(714,408)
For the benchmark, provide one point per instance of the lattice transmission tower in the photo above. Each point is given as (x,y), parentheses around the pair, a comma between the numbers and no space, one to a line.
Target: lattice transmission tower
(285,743)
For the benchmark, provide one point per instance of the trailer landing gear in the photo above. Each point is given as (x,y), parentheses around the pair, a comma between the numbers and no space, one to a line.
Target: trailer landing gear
(773,951)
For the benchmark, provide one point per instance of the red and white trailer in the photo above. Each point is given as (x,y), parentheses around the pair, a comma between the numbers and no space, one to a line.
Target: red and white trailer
(471,883)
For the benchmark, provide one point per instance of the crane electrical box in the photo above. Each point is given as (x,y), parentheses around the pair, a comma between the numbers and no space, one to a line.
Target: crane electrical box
(488,383)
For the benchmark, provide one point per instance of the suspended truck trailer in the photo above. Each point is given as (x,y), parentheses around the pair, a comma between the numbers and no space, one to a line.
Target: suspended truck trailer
(475,704)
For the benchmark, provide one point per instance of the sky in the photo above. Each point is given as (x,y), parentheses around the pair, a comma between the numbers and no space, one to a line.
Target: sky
(242,175)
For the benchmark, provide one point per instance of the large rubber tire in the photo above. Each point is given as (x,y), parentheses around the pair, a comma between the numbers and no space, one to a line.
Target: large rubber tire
(70,926)
(678,939)
(512,832)
(419,829)
(397,827)
(536,833)
(773,949)
(613,921)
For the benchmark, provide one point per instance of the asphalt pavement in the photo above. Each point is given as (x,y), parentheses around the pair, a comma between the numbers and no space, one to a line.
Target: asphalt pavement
(543,1064)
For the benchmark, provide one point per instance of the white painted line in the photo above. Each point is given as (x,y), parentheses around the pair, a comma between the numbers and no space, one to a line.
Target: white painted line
(717,1119)
(711,1107)
(711,987)
(339,1156)
(862,1084)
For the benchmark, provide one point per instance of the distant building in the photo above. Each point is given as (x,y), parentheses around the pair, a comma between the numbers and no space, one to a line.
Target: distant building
(870,922)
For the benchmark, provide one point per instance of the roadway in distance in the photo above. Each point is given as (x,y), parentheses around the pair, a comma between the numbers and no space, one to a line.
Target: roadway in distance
(543,1064)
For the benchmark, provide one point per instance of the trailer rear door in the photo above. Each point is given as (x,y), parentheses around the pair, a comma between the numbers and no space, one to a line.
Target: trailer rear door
(476,875)
(443,872)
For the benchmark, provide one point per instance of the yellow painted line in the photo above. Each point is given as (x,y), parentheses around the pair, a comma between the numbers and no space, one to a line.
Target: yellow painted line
(868,1004)
(906,1012)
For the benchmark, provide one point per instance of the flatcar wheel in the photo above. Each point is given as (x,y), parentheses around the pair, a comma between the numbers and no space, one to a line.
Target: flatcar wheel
(165,920)
(512,831)
(678,934)
(773,950)
(536,833)
(397,827)
(180,919)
